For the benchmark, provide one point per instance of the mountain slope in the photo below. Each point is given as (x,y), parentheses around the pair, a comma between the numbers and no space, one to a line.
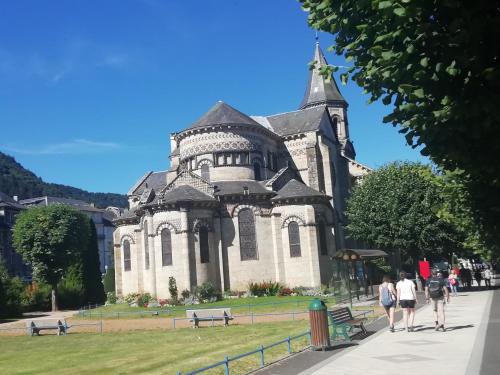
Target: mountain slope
(16,180)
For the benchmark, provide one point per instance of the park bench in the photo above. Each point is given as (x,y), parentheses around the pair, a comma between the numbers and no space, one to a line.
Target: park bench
(34,326)
(343,322)
(199,315)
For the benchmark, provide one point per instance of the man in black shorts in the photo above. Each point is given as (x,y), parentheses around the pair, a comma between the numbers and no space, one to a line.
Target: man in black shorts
(436,291)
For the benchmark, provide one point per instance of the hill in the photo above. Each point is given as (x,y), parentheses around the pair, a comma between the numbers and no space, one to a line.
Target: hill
(16,180)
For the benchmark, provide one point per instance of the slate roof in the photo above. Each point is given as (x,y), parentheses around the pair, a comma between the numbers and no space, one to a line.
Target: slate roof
(185,193)
(153,180)
(223,114)
(236,187)
(296,189)
(318,90)
(8,201)
(46,201)
(301,121)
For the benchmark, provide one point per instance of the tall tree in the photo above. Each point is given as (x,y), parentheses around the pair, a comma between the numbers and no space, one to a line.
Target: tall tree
(92,279)
(437,63)
(395,207)
(50,239)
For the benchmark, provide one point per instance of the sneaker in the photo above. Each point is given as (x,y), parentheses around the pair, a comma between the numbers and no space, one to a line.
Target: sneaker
(412,329)
(391,329)
(442,327)
(437,326)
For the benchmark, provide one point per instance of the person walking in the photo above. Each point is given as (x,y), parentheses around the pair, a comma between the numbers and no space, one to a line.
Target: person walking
(453,281)
(407,298)
(436,292)
(478,277)
(466,276)
(487,277)
(387,299)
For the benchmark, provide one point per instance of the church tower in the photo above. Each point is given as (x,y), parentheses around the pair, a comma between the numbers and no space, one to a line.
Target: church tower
(323,91)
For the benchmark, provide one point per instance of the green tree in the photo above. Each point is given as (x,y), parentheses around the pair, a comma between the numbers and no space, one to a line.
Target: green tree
(50,240)
(109,281)
(395,207)
(92,278)
(436,63)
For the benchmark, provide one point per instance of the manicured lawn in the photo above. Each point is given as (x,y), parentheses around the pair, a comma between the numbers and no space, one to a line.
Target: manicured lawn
(151,352)
(238,306)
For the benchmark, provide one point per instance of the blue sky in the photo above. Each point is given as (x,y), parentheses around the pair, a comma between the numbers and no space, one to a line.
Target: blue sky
(91,90)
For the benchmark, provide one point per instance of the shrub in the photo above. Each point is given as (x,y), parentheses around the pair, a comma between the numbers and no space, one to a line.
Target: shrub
(111,298)
(172,288)
(14,290)
(144,299)
(284,291)
(185,293)
(37,297)
(264,288)
(131,298)
(70,289)
(109,281)
(207,292)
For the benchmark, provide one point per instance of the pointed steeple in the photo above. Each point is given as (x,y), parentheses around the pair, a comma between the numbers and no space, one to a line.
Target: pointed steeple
(318,90)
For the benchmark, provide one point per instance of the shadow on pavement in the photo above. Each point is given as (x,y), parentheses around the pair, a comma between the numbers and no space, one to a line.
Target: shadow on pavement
(459,327)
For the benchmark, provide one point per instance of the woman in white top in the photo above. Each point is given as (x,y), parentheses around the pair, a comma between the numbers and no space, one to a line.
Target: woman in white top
(407,298)
(387,299)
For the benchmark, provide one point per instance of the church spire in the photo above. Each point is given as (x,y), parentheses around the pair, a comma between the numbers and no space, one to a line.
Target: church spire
(319,90)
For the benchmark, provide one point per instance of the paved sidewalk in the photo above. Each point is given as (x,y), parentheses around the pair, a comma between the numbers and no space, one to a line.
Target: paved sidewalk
(457,351)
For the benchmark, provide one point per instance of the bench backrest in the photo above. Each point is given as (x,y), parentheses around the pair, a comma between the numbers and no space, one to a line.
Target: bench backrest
(340,315)
(46,322)
(208,313)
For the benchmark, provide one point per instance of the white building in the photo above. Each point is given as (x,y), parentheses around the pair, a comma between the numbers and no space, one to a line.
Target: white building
(245,198)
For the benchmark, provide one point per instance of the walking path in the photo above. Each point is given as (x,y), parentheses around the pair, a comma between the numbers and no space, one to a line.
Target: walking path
(457,351)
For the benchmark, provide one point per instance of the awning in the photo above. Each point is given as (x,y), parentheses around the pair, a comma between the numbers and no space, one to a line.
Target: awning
(353,254)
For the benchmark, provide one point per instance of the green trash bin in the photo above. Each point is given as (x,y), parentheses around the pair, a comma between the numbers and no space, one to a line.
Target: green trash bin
(318,320)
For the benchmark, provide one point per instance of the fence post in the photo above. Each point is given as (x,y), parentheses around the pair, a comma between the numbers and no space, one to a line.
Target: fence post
(212,320)
(293,315)
(173,321)
(101,327)
(226,365)
(289,341)
(118,315)
(251,314)
(261,356)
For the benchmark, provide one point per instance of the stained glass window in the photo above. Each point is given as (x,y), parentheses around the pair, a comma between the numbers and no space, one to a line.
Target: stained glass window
(126,256)
(294,239)
(248,243)
(166,247)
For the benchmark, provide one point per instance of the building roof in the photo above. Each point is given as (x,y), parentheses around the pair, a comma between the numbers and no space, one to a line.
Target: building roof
(151,180)
(185,193)
(223,114)
(301,121)
(238,187)
(296,189)
(7,201)
(46,201)
(318,89)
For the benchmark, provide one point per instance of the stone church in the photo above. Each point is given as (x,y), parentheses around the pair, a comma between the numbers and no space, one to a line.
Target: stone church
(246,198)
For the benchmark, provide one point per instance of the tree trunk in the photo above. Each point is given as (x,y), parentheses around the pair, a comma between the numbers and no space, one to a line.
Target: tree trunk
(54,299)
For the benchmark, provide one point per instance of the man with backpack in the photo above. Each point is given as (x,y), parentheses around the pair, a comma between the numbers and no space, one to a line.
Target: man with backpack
(436,291)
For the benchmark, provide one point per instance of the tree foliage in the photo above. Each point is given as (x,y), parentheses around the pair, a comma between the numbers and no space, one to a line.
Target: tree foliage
(437,63)
(395,207)
(92,278)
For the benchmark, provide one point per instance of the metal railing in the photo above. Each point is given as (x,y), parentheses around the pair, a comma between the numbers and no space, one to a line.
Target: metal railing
(260,350)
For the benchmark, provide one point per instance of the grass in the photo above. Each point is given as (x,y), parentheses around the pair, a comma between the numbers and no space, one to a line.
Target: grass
(238,306)
(151,352)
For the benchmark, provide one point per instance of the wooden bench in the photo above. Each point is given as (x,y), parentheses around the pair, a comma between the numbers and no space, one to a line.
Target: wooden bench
(199,315)
(343,322)
(34,326)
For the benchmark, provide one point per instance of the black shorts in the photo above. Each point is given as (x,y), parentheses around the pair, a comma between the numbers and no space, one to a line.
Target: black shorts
(407,303)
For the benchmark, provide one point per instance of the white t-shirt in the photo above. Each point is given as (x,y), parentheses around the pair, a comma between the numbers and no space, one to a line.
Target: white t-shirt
(407,289)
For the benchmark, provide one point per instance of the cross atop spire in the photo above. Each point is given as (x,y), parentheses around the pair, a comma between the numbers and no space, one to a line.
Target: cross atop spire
(319,90)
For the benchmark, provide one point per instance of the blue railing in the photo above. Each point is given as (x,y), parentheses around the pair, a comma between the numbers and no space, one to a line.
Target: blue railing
(261,351)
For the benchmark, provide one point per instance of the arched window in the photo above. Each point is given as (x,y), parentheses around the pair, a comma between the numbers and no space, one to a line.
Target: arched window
(294,239)
(146,246)
(246,227)
(335,122)
(322,238)
(205,172)
(126,256)
(166,247)
(256,171)
(204,248)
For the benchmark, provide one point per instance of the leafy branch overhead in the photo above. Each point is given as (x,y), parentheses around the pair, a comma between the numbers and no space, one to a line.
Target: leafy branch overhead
(436,63)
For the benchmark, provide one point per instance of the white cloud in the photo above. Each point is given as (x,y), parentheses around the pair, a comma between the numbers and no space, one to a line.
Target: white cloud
(73,147)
